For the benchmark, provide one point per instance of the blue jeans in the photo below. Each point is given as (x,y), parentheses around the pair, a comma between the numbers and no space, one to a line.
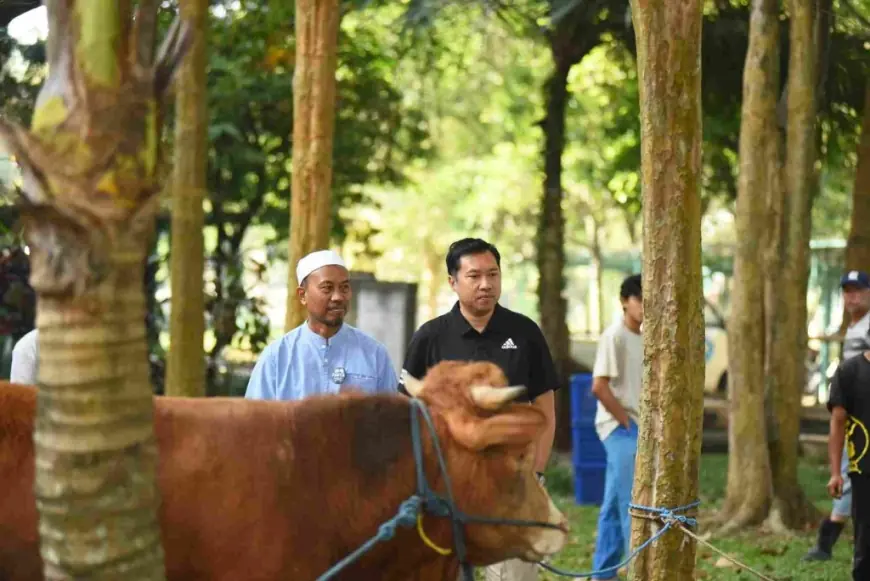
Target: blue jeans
(843,505)
(614,521)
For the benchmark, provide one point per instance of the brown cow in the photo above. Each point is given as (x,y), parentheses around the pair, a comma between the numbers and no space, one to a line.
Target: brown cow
(256,490)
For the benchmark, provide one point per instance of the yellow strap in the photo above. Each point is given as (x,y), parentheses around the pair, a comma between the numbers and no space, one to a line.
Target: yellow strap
(427,540)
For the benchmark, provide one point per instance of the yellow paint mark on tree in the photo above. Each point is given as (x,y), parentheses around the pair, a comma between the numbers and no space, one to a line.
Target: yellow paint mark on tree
(49,114)
(96,48)
(108,183)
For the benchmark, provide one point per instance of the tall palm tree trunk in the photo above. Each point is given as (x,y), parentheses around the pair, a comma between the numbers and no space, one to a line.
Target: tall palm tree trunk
(90,161)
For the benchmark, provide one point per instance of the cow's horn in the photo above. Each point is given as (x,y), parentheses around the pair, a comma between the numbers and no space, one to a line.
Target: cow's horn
(412,385)
(493,398)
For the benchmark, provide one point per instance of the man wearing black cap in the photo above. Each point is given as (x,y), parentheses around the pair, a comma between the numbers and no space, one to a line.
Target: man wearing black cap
(856,301)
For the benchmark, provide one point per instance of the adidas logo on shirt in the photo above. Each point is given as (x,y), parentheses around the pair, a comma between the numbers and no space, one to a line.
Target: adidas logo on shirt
(509,344)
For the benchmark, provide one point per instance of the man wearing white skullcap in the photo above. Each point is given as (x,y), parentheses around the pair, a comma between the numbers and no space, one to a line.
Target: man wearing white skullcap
(324,354)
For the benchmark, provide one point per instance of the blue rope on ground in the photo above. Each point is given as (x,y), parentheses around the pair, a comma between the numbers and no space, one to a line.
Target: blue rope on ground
(667,515)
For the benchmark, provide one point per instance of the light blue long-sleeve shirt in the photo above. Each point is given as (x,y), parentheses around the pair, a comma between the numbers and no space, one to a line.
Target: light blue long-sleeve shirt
(302,364)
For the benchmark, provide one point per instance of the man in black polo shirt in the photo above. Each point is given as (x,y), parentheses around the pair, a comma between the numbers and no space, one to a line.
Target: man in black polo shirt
(849,404)
(479,329)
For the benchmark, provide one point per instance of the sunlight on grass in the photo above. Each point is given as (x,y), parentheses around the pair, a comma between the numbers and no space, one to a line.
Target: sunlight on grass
(774,555)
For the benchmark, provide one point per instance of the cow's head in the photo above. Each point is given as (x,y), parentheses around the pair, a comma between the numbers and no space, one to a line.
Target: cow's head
(490,449)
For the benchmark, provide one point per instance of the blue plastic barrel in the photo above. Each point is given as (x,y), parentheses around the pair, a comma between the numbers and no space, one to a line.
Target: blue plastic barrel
(588,454)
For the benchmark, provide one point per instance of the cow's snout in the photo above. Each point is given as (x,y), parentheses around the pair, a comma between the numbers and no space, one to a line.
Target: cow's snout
(548,540)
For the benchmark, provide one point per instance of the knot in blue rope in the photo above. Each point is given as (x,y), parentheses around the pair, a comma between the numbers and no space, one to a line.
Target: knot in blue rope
(670,515)
(406,517)
(436,505)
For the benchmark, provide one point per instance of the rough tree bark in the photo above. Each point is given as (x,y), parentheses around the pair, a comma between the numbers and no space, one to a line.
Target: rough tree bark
(788,320)
(90,162)
(313,127)
(185,361)
(669,445)
(749,487)
(858,245)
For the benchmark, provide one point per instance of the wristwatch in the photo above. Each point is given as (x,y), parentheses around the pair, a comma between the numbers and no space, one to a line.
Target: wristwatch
(541,478)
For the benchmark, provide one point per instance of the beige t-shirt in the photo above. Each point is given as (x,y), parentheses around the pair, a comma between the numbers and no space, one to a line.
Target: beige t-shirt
(620,358)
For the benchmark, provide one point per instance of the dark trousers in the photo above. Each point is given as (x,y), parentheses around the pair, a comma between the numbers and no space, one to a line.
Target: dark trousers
(861,522)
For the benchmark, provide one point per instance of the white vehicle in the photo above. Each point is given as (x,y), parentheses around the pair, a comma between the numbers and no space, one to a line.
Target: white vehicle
(715,351)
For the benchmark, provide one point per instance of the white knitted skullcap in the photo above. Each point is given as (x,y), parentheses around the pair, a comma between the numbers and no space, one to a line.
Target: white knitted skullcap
(317,259)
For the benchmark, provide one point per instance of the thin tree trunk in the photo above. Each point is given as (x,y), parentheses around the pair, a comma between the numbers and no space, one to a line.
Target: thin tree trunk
(551,246)
(91,162)
(185,361)
(749,488)
(313,127)
(858,246)
(433,265)
(598,261)
(791,509)
(669,444)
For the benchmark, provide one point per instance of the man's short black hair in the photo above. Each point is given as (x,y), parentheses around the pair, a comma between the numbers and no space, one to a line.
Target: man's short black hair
(468,246)
(631,287)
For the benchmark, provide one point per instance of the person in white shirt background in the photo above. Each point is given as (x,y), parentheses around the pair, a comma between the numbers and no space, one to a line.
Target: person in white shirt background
(25,359)
(617,381)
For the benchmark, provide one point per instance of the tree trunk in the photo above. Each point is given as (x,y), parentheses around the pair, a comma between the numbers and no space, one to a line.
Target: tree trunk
(788,342)
(551,247)
(669,444)
(185,361)
(91,195)
(598,263)
(313,126)
(433,265)
(749,488)
(858,246)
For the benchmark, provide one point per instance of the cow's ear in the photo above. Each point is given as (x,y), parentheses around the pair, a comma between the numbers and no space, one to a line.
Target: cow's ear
(518,425)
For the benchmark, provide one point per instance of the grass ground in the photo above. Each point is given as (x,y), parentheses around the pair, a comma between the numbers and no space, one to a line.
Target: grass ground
(776,556)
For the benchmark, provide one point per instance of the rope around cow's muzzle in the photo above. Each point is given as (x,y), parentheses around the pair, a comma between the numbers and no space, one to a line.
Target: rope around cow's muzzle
(426,499)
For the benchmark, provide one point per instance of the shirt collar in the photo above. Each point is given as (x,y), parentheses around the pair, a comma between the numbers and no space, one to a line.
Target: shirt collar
(313,337)
(462,326)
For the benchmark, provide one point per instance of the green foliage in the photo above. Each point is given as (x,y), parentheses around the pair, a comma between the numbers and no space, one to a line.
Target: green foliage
(480,91)
(250,101)
(22,72)
(250,92)
(19,82)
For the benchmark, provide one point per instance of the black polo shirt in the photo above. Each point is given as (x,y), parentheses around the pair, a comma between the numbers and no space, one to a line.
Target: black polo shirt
(850,389)
(510,340)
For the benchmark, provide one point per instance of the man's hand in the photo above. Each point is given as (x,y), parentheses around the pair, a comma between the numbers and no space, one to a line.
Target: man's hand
(601,390)
(835,486)
(836,439)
